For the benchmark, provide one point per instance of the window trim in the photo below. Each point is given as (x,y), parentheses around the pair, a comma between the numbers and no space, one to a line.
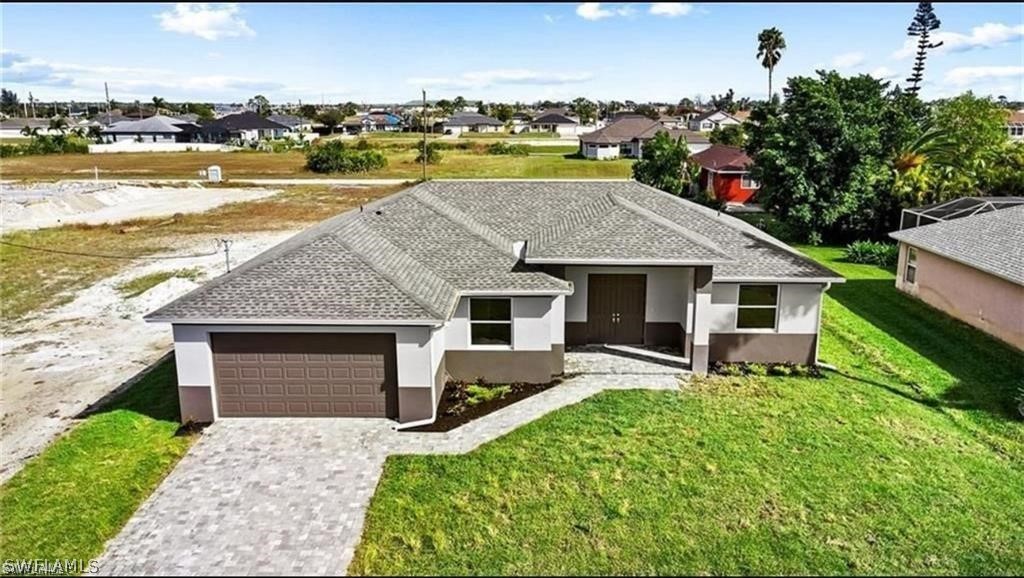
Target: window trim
(747,182)
(778,299)
(511,318)
(910,264)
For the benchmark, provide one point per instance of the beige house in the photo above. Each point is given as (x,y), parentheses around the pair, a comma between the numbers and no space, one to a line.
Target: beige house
(971,268)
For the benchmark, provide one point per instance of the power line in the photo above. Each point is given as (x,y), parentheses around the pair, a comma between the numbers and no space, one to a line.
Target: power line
(108,256)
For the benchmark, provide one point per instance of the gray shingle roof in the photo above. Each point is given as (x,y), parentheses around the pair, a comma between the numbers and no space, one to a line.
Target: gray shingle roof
(407,258)
(992,242)
(472,119)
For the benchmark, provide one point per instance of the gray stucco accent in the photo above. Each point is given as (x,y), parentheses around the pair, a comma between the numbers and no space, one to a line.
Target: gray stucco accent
(196,402)
(502,366)
(702,301)
(414,403)
(763,347)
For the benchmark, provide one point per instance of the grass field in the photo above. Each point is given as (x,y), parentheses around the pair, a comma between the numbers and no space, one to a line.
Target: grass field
(67,502)
(908,460)
(401,164)
(33,280)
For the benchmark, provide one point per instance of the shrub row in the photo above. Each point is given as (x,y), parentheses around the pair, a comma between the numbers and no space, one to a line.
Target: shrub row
(335,157)
(505,148)
(765,369)
(46,145)
(872,253)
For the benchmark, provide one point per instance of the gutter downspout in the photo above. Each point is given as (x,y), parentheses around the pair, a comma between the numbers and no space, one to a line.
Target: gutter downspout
(418,423)
(817,335)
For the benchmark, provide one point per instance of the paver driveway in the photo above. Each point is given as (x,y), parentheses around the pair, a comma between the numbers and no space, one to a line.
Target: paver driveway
(288,496)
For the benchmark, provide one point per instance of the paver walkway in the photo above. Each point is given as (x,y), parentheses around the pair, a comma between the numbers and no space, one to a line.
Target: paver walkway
(288,496)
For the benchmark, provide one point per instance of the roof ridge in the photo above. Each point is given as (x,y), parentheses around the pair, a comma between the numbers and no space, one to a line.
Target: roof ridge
(464,220)
(571,221)
(398,267)
(702,240)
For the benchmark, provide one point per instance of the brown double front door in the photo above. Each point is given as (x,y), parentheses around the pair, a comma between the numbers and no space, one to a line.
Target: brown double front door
(615,308)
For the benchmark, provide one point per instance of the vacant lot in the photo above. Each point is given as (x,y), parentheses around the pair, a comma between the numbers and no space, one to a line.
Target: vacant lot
(401,164)
(910,459)
(34,279)
(78,493)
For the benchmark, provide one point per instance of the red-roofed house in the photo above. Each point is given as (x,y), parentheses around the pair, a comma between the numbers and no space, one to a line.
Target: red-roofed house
(726,171)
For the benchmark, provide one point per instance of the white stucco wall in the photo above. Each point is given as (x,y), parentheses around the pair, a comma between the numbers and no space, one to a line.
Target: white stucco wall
(599,152)
(533,324)
(666,298)
(799,304)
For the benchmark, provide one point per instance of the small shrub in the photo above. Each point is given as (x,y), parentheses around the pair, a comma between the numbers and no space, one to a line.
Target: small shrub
(504,148)
(728,369)
(758,369)
(872,253)
(478,394)
(431,151)
(334,157)
(780,369)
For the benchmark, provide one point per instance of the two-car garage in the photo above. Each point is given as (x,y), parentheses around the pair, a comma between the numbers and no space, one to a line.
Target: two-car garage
(305,374)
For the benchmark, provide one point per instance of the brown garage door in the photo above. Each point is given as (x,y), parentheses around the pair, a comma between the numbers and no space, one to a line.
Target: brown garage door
(305,374)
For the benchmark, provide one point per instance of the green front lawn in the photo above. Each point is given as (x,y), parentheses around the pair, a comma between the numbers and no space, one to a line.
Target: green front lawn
(909,460)
(67,502)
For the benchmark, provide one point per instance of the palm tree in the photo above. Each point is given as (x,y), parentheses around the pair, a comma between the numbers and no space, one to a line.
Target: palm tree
(59,124)
(934,147)
(770,45)
(158,104)
(30,131)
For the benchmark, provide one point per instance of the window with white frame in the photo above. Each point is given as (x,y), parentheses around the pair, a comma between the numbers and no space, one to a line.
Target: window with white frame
(490,321)
(910,271)
(747,182)
(758,307)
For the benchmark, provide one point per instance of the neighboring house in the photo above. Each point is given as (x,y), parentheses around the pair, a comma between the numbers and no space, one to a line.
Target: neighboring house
(187,117)
(243,127)
(627,136)
(294,123)
(725,171)
(971,268)
(461,122)
(155,129)
(521,122)
(709,121)
(371,312)
(12,127)
(373,122)
(556,122)
(1015,125)
(673,121)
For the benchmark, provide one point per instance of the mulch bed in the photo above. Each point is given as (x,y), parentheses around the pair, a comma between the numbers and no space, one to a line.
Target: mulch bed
(453,411)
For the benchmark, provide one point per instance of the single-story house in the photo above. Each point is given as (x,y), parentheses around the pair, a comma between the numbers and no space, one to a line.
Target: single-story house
(294,123)
(373,122)
(1015,125)
(971,268)
(244,127)
(461,122)
(155,129)
(725,171)
(12,127)
(555,122)
(371,312)
(626,138)
(709,121)
(521,122)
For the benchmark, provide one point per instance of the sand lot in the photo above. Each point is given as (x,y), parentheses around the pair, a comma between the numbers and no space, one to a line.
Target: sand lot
(53,204)
(62,360)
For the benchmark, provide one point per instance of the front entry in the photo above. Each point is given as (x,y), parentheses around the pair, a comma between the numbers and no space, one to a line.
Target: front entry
(615,308)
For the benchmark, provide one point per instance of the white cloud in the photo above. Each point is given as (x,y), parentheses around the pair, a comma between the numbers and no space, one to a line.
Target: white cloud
(884,73)
(206,21)
(965,75)
(988,35)
(488,78)
(848,60)
(670,9)
(594,11)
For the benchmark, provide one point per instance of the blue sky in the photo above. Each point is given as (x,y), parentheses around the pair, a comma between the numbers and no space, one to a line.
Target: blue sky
(527,52)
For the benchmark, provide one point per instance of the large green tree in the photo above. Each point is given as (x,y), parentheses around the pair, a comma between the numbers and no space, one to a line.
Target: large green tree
(819,156)
(259,104)
(585,110)
(730,135)
(663,164)
(770,44)
(9,102)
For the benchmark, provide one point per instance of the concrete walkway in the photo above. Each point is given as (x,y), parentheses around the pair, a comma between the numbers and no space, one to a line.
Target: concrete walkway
(288,496)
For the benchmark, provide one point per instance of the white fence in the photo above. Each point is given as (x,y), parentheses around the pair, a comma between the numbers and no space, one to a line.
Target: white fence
(158,147)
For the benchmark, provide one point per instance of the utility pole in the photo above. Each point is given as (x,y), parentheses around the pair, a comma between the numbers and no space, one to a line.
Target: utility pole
(227,253)
(424,122)
(106,91)
(32,101)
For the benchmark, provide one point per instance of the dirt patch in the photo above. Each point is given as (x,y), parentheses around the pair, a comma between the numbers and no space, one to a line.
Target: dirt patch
(457,408)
